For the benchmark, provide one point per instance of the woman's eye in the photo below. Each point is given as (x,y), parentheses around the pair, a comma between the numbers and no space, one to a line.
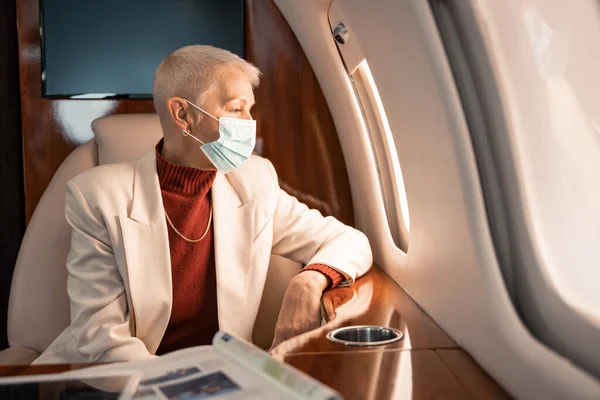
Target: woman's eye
(235,110)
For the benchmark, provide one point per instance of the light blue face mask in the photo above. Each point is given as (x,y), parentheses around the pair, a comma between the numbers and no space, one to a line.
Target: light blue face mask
(235,144)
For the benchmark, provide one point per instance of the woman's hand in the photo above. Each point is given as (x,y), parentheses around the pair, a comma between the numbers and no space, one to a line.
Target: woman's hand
(301,308)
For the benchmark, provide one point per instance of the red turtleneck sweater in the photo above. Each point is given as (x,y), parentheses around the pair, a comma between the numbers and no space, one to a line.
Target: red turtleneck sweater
(187,201)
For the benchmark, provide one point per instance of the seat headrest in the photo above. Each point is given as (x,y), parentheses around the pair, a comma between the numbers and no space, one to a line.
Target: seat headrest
(123,137)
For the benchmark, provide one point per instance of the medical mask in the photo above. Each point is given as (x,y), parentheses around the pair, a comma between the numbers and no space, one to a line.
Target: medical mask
(235,144)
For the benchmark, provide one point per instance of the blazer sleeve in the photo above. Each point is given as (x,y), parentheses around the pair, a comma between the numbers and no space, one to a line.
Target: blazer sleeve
(305,236)
(100,321)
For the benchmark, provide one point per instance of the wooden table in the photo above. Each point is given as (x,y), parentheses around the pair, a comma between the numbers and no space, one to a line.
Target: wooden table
(426,364)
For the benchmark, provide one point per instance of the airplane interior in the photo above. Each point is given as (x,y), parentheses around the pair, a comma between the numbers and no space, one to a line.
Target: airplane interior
(462,137)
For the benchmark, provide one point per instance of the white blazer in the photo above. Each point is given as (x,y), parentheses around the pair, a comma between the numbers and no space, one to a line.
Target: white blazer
(119,266)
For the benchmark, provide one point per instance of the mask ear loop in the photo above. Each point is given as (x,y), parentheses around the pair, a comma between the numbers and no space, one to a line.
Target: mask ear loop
(189,134)
(186,133)
(199,109)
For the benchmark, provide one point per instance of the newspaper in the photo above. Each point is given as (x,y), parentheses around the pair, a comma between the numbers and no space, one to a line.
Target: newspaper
(229,369)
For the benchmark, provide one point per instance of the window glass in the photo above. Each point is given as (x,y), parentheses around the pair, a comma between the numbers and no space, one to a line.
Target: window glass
(549,63)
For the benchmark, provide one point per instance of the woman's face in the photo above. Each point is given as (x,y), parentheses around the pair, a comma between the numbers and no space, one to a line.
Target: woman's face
(231,97)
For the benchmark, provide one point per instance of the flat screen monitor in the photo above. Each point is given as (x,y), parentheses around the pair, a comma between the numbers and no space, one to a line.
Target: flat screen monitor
(111,48)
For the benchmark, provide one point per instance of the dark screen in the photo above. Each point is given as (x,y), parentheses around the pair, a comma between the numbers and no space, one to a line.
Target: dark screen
(114,46)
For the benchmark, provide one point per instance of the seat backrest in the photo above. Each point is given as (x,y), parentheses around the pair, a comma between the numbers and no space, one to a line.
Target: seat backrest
(39,306)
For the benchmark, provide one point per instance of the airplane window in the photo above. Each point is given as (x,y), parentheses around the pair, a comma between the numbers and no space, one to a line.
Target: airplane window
(528,78)
(555,112)
(390,173)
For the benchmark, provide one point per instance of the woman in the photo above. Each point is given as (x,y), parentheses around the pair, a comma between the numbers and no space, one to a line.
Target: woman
(169,248)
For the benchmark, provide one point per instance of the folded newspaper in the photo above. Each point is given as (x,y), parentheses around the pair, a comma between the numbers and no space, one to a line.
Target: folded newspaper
(229,369)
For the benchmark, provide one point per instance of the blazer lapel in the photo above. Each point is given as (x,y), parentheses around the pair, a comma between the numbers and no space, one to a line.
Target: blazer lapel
(233,235)
(146,243)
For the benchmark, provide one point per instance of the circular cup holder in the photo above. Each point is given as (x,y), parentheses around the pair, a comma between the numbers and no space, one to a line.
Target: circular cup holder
(365,335)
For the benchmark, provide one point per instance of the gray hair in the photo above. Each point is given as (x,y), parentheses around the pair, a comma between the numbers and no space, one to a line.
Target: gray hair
(193,71)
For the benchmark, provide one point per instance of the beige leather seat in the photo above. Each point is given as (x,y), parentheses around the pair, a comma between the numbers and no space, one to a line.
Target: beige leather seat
(38,307)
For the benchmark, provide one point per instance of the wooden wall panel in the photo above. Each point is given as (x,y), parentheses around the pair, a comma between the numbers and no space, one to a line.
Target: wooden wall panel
(292,116)
(11,164)
(52,128)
